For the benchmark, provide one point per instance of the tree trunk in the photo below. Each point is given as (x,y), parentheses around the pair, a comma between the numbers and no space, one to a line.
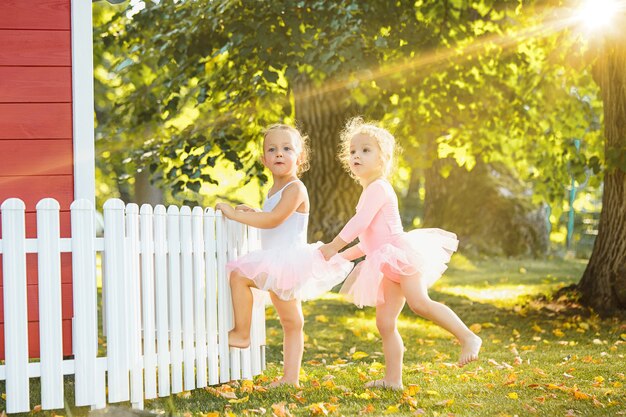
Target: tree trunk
(603,285)
(145,191)
(332,192)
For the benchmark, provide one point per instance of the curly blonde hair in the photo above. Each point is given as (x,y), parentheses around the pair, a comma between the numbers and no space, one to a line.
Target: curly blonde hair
(303,142)
(385,140)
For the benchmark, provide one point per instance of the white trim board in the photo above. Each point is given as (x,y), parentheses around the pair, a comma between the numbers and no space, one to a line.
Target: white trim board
(83,101)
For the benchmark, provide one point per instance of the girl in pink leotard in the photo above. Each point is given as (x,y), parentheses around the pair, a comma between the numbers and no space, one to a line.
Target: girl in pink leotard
(399,266)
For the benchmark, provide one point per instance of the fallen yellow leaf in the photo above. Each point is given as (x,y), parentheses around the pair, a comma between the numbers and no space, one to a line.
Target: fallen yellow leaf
(476,327)
(359,355)
(513,395)
(581,395)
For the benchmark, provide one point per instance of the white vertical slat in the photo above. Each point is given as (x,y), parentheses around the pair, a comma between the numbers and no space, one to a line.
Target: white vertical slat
(162,308)
(258,308)
(50,317)
(223,298)
(133,287)
(15,314)
(242,248)
(211,294)
(231,254)
(173,246)
(85,324)
(116,304)
(147,299)
(199,290)
(187,297)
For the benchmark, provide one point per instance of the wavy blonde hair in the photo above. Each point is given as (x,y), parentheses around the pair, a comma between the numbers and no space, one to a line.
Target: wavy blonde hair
(304,152)
(385,140)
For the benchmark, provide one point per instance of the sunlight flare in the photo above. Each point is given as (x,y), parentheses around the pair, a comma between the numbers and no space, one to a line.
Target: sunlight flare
(599,14)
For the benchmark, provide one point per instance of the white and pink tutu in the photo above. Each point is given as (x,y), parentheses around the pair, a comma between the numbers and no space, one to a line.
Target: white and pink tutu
(299,272)
(424,252)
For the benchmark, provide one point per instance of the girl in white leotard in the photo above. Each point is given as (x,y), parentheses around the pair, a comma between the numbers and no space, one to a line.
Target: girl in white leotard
(286,266)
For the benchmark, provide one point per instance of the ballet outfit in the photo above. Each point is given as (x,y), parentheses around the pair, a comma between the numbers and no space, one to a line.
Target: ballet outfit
(286,264)
(390,251)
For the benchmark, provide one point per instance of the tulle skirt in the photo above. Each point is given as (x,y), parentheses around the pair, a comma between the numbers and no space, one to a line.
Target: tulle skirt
(423,252)
(299,272)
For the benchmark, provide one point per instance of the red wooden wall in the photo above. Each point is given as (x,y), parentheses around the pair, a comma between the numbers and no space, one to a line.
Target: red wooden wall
(36,131)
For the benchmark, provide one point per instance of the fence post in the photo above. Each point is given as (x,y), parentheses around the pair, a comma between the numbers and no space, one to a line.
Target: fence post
(85,321)
(15,314)
(50,317)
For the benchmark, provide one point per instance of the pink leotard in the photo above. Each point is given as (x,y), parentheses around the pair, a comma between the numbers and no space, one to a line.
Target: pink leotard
(390,252)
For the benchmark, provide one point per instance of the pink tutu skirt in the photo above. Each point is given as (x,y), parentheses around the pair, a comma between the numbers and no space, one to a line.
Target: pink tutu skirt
(299,272)
(424,252)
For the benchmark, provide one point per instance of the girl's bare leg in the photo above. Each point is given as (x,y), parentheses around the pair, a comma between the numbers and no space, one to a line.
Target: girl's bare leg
(240,289)
(387,324)
(292,321)
(416,294)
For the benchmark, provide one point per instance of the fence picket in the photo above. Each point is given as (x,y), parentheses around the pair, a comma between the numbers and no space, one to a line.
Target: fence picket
(15,317)
(162,305)
(116,305)
(147,299)
(50,317)
(199,291)
(133,286)
(211,294)
(223,298)
(187,297)
(85,340)
(173,247)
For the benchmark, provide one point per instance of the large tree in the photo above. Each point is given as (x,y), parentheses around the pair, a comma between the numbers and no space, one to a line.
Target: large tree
(195,81)
(603,284)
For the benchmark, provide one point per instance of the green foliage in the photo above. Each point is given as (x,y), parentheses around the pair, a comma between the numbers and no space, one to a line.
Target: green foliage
(183,84)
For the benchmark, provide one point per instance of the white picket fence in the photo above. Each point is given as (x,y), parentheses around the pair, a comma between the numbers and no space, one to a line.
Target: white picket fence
(166,305)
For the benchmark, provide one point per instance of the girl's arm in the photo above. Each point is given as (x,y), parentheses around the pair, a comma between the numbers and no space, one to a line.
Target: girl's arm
(374,196)
(244,207)
(291,199)
(352,253)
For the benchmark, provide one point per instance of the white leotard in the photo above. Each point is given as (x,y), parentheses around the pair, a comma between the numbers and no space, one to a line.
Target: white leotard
(291,232)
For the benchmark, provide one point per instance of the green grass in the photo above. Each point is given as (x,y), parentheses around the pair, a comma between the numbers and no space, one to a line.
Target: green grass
(540,356)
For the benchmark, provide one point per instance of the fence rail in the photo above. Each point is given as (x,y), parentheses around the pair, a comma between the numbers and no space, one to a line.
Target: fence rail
(165,308)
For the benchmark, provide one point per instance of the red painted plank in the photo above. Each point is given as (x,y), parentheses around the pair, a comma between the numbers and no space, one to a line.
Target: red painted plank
(33,339)
(35,14)
(36,157)
(32,265)
(35,48)
(35,84)
(36,121)
(33,189)
(32,296)
(31,224)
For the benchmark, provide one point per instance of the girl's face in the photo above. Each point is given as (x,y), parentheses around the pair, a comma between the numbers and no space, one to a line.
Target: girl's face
(365,158)
(280,153)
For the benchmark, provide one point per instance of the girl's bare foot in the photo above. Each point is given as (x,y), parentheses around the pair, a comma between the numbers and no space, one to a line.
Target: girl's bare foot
(283,381)
(381,383)
(237,340)
(469,350)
